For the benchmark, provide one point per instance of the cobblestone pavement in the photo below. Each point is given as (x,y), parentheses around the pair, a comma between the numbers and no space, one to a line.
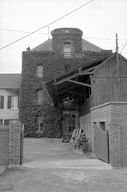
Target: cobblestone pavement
(53,166)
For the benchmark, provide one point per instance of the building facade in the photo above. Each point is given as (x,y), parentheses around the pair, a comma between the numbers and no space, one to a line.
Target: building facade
(69,83)
(44,69)
(9,98)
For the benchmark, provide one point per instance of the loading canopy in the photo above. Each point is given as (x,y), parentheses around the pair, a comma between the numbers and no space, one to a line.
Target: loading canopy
(76,84)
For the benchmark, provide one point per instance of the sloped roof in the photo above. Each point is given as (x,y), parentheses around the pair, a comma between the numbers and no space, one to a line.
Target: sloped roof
(45,46)
(114,55)
(86,46)
(10,81)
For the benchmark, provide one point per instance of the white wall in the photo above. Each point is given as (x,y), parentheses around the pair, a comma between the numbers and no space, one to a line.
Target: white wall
(8,113)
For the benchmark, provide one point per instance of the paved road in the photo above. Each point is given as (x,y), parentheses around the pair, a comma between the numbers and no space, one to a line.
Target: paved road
(53,166)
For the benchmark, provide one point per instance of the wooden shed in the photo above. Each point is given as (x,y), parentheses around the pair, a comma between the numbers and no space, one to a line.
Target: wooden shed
(109,110)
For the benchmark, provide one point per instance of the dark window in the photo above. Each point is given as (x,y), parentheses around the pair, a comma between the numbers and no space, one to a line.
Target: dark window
(67,68)
(70,128)
(13,102)
(1,102)
(40,124)
(6,122)
(1,121)
(102,126)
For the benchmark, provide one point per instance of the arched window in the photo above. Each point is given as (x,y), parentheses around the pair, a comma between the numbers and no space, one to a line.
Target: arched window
(67,49)
(39,71)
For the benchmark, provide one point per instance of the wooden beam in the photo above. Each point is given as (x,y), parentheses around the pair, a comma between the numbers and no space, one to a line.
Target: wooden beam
(79,83)
(72,76)
(75,93)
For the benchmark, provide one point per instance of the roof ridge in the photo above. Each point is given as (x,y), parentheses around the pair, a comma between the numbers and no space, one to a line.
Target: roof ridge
(47,45)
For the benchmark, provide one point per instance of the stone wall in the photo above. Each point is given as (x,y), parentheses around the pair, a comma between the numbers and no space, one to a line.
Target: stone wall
(10,151)
(73,35)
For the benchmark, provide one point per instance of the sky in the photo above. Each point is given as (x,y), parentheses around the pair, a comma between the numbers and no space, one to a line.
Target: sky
(99,20)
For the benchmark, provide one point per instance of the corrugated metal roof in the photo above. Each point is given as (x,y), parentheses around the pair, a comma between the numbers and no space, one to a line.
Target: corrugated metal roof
(86,46)
(8,81)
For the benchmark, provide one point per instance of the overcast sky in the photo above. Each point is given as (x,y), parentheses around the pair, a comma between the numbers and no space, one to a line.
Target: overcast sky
(99,21)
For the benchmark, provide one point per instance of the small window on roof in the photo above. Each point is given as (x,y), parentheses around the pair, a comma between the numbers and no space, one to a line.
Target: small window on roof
(67,49)
(40,71)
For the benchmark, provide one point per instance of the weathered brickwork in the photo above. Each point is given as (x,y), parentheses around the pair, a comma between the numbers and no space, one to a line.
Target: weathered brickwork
(10,144)
(14,143)
(114,115)
(4,147)
(74,36)
(118,134)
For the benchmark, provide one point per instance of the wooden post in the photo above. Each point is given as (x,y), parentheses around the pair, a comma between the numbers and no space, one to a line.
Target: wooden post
(117,54)
(117,67)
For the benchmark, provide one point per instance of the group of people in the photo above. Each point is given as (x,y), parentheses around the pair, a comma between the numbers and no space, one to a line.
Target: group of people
(79,139)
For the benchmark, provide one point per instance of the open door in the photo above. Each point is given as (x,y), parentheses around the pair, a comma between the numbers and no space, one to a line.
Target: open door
(68,125)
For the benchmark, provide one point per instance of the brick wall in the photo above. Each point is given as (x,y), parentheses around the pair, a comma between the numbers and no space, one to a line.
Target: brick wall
(14,143)
(118,135)
(10,144)
(114,115)
(73,35)
(4,145)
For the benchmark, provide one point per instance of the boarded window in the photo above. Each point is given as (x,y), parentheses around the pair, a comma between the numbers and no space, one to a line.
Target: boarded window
(40,71)
(67,49)
(12,102)
(40,97)
(1,102)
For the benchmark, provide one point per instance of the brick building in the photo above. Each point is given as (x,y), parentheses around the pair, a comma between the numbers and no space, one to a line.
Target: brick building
(44,65)
(86,83)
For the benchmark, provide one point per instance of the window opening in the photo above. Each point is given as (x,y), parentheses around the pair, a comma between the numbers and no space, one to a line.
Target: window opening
(1,102)
(67,49)
(13,102)
(1,121)
(6,122)
(102,126)
(40,97)
(40,71)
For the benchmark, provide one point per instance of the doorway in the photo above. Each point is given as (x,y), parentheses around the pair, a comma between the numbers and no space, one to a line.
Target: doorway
(68,126)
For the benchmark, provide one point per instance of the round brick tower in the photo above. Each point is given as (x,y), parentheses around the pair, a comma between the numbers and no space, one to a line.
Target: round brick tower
(67,41)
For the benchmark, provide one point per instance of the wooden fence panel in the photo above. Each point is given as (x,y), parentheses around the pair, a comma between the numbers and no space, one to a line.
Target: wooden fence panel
(101,144)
